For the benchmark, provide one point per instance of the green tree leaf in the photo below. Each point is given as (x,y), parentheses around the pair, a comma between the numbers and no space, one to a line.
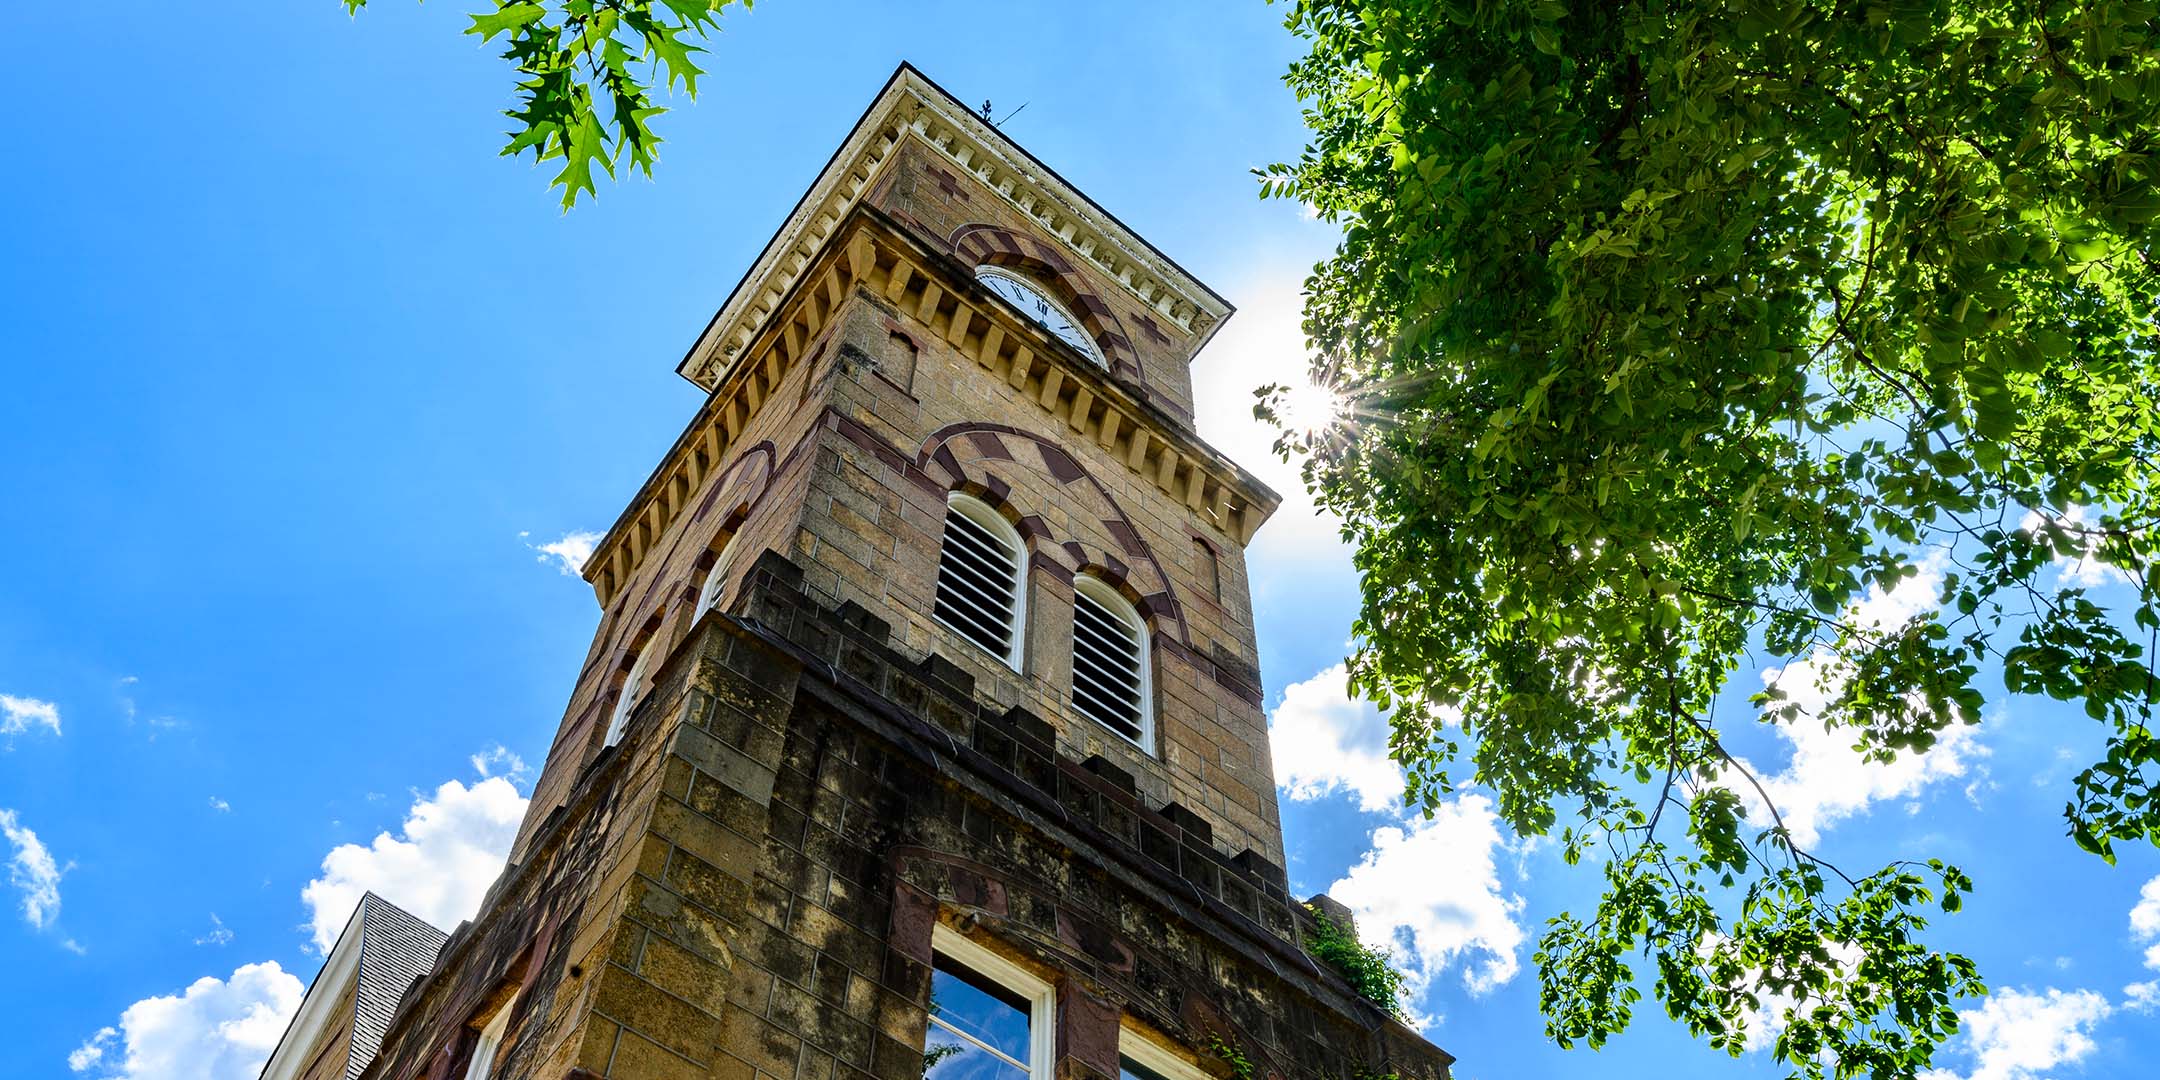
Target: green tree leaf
(585,71)
(1672,331)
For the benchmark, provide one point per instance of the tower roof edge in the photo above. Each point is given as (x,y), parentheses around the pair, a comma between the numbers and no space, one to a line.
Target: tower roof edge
(910,105)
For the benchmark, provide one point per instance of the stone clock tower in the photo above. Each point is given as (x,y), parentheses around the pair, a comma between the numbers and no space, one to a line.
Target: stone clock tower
(922,734)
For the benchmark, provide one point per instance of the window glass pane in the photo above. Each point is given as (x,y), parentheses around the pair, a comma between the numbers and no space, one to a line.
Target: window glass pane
(1128,1069)
(947,1056)
(978,1008)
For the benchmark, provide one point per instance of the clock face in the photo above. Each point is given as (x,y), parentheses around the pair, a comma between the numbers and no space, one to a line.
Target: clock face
(1035,304)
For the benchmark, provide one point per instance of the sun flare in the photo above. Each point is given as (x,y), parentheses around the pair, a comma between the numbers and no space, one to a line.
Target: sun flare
(1309,408)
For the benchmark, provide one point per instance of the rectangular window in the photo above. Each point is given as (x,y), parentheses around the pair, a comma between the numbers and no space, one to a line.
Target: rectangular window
(490,1044)
(1142,1058)
(989,1018)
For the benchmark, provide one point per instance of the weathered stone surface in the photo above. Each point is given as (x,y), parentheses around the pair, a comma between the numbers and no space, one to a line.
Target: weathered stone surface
(1088,1030)
(818,773)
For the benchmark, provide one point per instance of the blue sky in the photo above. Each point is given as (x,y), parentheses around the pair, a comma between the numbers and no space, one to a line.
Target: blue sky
(300,376)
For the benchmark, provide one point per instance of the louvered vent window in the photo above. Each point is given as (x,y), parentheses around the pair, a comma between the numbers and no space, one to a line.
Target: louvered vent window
(1110,667)
(716,580)
(979,585)
(626,702)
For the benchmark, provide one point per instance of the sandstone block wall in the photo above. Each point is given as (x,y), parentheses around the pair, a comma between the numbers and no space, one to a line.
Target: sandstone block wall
(820,775)
(871,529)
(846,470)
(746,887)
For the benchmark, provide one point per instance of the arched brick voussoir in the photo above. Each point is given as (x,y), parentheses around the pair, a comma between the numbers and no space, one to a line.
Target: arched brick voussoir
(729,497)
(980,243)
(968,456)
(1142,585)
(973,477)
(733,493)
(739,485)
(1099,563)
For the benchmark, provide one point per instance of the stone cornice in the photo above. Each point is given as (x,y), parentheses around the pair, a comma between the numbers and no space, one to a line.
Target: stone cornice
(866,251)
(913,107)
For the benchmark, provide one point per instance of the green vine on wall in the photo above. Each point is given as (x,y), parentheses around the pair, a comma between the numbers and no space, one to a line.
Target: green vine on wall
(1241,1067)
(1370,971)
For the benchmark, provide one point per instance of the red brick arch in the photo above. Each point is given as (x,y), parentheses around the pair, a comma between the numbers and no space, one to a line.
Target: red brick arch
(980,244)
(969,456)
(731,494)
(742,483)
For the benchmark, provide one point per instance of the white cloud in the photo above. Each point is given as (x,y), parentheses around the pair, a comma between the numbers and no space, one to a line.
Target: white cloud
(33,871)
(2016,1035)
(1826,781)
(2082,569)
(20,714)
(220,805)
(219,934)
(2145,922)
(500,761)
(125,690)
(1430,890)
(93,1049)
(1326,741)
(449,848)
(216,1029)
(452,846)
(569,553)
(2059,764)
(2142,997)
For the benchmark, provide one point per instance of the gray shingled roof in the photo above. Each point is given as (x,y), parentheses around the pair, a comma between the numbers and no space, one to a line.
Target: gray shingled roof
(396,947)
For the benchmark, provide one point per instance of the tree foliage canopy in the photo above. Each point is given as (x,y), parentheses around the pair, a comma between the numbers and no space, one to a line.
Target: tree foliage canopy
(586,73)
(1669,329)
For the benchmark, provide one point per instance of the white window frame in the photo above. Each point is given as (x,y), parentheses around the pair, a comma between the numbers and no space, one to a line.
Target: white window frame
(626,701)
(982,514)
(715,579)
(490,1044)
(1157,1058)
(1040,996)
(1109,598)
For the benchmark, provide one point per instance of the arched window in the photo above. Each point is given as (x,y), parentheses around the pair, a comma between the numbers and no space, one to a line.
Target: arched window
(1110,662)
(981,590)
(716,580)
(633,691)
